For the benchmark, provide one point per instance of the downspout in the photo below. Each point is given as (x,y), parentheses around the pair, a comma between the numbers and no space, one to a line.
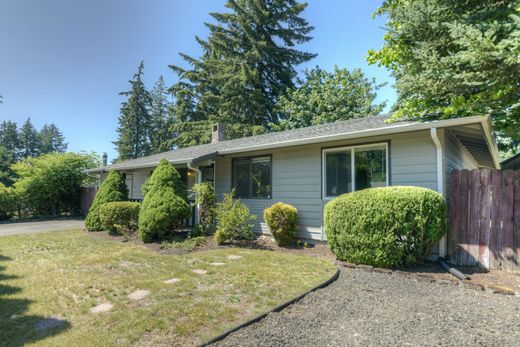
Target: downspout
(199,180)
(440,180)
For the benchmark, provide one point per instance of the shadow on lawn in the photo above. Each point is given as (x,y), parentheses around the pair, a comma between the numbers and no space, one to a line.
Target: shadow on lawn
(16,328)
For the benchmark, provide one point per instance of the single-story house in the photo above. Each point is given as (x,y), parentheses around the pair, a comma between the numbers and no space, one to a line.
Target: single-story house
(307,167)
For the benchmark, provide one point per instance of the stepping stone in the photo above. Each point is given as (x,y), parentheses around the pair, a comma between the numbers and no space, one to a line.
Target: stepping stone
(234,257)
(139,294)
(105,307)
(172,280)
(200,271)
(217,264)
(49,323)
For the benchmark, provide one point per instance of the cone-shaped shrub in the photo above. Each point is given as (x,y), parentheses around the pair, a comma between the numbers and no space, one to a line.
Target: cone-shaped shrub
(163,207)
(113,188)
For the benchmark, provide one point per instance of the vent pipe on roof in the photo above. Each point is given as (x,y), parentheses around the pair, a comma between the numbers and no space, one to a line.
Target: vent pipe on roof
(105,159)
(217,132)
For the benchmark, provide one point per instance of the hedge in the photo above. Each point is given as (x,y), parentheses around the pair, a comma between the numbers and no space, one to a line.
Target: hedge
(233,220)
(113,188)
(281,219)
(119,216)
(387,227)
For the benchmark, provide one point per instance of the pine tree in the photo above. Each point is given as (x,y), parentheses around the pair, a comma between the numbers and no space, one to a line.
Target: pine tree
(51,140)
(134,120)
(161,118)
(9,136)
(28,140)
(248,62)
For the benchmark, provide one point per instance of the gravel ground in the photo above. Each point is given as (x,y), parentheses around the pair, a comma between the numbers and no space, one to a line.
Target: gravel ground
(368,308)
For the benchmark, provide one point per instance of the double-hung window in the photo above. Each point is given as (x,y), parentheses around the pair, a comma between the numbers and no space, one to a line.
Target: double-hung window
(354,168)
(252,177)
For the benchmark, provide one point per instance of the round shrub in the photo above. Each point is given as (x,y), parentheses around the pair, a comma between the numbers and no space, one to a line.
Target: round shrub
(281,219)
(162,209)
(233,220)
(386,227)
(119,216)
(113,188)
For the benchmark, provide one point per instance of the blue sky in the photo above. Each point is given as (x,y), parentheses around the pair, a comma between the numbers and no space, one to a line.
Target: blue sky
(66,61)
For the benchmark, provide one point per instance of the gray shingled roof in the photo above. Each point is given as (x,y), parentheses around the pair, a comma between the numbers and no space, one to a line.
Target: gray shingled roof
(319,133)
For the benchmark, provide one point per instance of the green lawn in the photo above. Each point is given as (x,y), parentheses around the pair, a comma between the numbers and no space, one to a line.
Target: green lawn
(65,274)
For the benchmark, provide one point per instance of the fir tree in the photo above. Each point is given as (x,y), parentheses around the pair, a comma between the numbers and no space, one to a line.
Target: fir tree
(9,136)
(28,140)
(134,120)
(51,140)
(161,119)
(248,62)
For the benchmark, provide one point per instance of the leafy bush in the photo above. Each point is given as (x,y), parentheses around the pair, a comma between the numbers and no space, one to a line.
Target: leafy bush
(50,185)
(205,199)
(113,188)
(233,220)
(390,226)
(281,219)
(119,217)
(163,209)
(8,206)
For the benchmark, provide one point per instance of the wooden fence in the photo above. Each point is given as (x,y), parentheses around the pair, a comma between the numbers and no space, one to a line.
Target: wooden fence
(87,197)
(484,211)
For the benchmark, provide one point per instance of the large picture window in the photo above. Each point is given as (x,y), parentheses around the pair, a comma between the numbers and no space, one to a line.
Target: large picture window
(252,177)
(354,168)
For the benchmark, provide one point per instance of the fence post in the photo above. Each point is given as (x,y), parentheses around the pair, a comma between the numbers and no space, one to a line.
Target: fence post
(507,245)
(484,228)
(453,202)
(495,242)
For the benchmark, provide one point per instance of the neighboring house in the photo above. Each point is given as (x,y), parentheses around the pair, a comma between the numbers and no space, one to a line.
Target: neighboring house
(512,163)
(307,167)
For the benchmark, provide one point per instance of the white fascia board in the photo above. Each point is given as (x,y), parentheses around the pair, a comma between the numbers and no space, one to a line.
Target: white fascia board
(136,166)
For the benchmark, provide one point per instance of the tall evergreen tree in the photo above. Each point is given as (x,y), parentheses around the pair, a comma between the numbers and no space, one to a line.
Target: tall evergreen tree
(161,117)
(134,120)
(248,62)
(9,136)
(454,58)
(28,140)
(51,140)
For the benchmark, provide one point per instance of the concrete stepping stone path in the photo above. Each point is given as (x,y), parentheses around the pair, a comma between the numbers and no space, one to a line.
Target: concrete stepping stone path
(104,307)
(139,294)
(234,257)
(172,280)
(200,271)
(217,264)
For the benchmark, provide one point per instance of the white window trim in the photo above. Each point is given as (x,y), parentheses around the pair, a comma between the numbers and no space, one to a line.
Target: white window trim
(345,149)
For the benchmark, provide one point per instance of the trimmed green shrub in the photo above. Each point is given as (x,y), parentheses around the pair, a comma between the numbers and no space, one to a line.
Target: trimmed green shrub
(113,188)
(281,219)
(119,217)
(387,227)
(163,209)
(205,199)
(233,220)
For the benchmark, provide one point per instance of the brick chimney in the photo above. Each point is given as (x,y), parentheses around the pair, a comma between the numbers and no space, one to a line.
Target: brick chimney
(217,132)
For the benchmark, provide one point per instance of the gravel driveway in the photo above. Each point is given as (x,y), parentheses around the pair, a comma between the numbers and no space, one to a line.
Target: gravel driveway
(38,227)
(368,308)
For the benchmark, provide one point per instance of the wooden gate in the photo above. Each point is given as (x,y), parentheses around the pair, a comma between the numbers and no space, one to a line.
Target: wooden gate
(484,224)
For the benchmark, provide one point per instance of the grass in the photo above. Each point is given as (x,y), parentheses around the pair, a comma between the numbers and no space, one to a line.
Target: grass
(188,244)
(65,274)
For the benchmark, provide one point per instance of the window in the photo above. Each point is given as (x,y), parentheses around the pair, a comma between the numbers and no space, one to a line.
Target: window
(354,168)
(252,177)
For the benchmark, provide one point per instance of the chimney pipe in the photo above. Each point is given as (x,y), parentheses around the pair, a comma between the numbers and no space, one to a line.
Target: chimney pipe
(105,159)
(217,132)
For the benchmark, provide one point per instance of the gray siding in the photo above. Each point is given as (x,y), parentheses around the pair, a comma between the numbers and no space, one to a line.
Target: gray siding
(456,157)
(297,176)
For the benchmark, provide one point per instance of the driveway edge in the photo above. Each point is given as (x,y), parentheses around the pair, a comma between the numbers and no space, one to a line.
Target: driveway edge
(276,309)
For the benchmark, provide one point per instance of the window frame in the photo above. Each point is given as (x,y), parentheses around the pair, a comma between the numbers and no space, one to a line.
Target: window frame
(352,148)
(270,156)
